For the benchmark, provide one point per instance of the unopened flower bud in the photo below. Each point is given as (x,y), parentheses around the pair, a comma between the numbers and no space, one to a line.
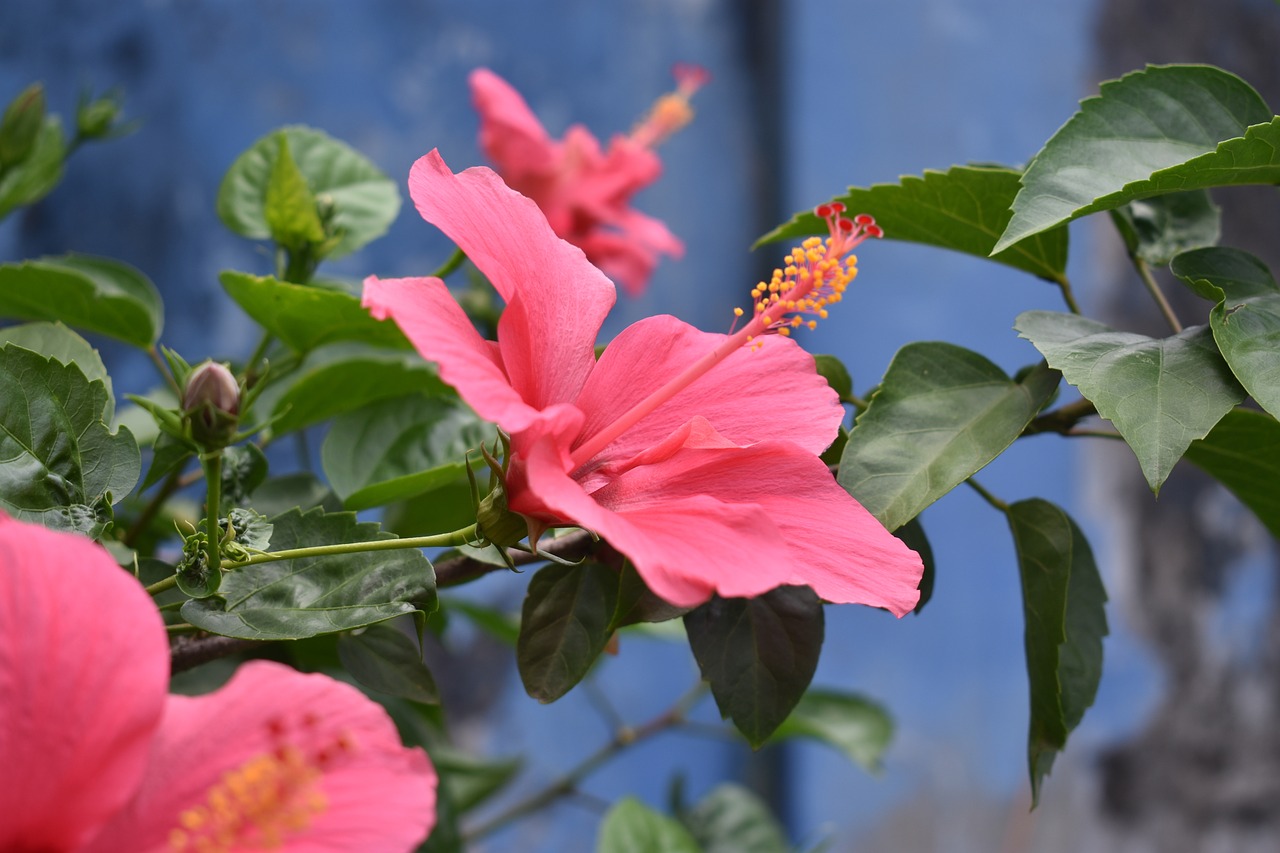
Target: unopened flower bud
(21,124)
(211,403)
(96,119)
(498,524)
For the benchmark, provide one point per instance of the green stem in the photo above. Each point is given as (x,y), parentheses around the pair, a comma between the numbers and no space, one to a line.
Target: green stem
(1064,284)
(162,586)
(182,628)
(563,786)
(213,504)
(439,540)
(1149,280)
(164,370)
(451,263)
(251,366)
(987,496)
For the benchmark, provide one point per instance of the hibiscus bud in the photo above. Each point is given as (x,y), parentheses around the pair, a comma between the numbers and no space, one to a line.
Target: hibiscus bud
(211,404)
(97,119)
(498,524)
(21,125)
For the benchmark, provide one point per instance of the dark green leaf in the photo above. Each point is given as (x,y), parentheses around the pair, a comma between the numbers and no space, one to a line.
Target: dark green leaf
(446,507)
(632,827)
(38,173)
(308,317)
(250,528)
(1149,133)
(308,596)
(912,535)
(60,464)
(289,208)
(95,294)
(637,603)
(940,414)
(396,449)
(365,201)
(168,455)
(1063,602)
(1243,453)
(837,375)
(54,340)
(301,491)
(469,780)
(731,819)
(1161,394)
(759,654)
(963,209)
(384,658)
(1224,273)
(856,726)
(564,626)
(364,374)
(244,468)
(1156,229)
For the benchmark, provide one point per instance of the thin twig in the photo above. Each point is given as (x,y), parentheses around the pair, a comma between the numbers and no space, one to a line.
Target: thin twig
(1153,287)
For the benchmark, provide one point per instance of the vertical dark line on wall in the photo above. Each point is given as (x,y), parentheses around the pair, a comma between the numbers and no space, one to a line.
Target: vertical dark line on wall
(761,37)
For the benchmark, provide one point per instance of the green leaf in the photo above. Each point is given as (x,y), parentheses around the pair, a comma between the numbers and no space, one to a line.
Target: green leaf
(1223,273)
(1156,229)
(564,626)
(308,317)
(60,464)
(1161,394)
(731,819)
(853,724)
(384,658)
(837,375)
(95,294)
(470,781)
(364,374)
(400,448)
(444,508)
(309,596)
(638,604)
(963,209)
(912,535)
(39,172)
(1243,453)
(759,654)
(302,491)
(167,455)
(289,207)
(632,827)
(365,201)
(1149,133)
(941,413)
(1063,602)
(56,341)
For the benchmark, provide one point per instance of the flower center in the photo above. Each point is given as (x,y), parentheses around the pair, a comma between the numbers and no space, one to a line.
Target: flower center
(671,111)
(267,799)
(815,276)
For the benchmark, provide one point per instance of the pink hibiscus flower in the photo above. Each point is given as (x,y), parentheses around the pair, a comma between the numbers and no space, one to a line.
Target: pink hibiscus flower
(694,454)
(585,192)
(95,756)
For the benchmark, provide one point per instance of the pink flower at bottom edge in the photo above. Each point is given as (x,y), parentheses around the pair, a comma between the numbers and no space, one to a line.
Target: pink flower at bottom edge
(94,756)
(695,454)
(584,191)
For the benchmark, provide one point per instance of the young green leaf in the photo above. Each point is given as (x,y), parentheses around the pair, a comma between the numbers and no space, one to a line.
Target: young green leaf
(632,827)
(853,724)
(731,819)
(1063,602)
(308,317)
(1161,394)
(1165,129)
(94,294)
(1243,454)
(396,449)
(289,207)
(60,464)
(1155,229)
(759,654)
(964,209)
(309,596)
(39,171)
(365,201)
(564,626)
(941,413)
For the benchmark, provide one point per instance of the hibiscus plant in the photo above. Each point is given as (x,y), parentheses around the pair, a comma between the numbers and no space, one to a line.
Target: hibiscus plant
(729,484)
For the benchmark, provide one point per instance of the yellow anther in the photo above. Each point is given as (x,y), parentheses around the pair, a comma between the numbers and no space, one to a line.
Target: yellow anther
(737,312)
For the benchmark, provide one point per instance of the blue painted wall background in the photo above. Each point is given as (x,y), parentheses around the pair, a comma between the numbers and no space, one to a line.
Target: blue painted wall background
(872,91)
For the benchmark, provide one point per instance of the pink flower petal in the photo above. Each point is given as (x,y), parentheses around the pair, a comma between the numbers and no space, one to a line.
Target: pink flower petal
(84,666)
(556,300)
(354,786)
(750,396)
(510,134)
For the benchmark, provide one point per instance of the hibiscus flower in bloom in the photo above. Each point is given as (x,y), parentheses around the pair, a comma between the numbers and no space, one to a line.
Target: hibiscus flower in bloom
(694,454)
(585,192)
(95,756)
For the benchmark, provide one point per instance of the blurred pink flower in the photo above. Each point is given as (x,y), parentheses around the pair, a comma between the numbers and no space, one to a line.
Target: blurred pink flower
(694,454)
(95,756)
(585,192)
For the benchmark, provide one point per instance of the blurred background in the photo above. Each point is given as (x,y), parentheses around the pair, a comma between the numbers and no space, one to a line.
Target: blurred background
(1180,753)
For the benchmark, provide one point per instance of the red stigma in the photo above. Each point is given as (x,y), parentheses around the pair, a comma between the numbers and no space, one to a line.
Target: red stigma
(874,231)
(822,211)
(864,219)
